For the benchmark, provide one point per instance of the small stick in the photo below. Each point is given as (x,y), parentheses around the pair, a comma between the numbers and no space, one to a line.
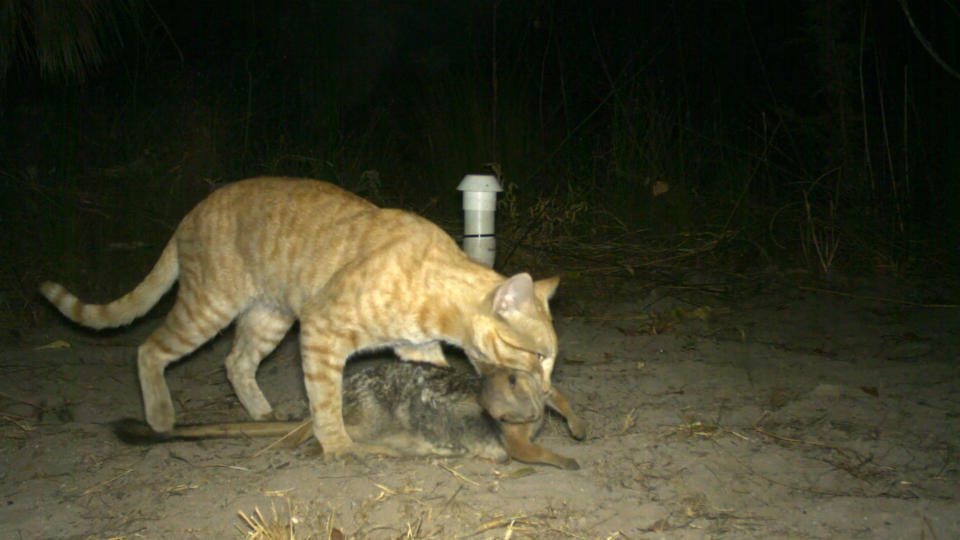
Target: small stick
(878,298)
(297,436)
(458,475)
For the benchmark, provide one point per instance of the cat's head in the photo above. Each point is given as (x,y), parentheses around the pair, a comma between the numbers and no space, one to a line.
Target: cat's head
(514,329)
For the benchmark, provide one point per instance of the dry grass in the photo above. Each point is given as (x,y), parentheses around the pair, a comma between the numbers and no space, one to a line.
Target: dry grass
(415,515)
(261,528)
(283,525)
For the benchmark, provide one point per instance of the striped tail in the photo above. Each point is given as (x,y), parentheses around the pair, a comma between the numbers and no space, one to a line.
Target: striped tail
(128,307)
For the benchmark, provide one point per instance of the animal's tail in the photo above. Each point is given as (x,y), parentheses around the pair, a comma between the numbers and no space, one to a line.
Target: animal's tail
(126,308)
(291,434)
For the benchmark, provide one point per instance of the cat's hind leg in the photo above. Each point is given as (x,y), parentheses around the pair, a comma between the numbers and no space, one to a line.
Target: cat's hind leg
(195,318)
(257,332)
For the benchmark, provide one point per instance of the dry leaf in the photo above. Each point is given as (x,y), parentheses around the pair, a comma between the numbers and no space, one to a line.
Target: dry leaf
(659,188)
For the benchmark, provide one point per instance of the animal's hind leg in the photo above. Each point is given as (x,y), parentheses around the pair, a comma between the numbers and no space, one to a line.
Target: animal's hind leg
(194,319)
(257,333)
(516,441)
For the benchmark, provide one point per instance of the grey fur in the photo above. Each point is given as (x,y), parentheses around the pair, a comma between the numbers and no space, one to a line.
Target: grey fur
(419,409)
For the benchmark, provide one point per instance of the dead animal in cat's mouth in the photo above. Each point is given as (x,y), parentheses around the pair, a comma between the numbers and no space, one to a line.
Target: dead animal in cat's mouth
(412,409)
(512,396)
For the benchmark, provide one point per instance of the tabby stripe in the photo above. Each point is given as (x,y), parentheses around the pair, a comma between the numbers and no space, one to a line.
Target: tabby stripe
(201,311)
(372,311)
(322,405)
(214,313)
(314,378)
(317,376)
(290,254)
(261,338)
(355,341)
(186,341)
(187,304)
(321,351)
(76,311)
(322,373)
(433,319)
(100,312)
(274,250)
(162,346)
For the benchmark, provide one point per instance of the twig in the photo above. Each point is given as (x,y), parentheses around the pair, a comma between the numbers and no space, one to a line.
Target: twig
(19,422)
(297,435)
(458,475)
(506,522)
(450,499)
(21,400)
(815,444)
(879,298)
(105,482)
(923,41)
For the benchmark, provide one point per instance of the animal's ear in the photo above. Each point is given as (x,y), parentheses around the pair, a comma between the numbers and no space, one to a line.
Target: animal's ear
(513,294)
(546,287)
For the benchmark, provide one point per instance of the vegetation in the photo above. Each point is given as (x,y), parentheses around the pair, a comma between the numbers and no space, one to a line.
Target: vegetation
(820,134)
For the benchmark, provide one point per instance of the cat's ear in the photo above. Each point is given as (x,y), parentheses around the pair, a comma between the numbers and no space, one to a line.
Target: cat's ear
(545,288)
(513,294)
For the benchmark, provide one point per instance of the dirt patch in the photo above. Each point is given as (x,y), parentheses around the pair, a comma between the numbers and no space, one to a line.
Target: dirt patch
(793,414)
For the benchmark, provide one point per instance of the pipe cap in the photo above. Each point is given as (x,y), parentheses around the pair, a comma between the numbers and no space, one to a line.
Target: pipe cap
(480,182)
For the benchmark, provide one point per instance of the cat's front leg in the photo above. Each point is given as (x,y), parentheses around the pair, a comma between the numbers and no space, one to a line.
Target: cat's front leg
(324,353)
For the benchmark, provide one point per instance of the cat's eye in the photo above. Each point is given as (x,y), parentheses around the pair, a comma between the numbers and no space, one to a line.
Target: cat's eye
(540,357)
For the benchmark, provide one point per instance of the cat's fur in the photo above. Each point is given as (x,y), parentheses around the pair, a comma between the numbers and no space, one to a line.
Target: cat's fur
(414,409)
(268,251)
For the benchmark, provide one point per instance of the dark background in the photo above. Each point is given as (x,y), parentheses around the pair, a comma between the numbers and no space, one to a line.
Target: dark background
(815,133)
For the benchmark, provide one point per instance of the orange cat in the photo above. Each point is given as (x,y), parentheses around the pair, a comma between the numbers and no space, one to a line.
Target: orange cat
(269,251)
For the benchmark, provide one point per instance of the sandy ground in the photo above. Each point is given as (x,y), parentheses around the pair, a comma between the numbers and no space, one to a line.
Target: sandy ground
(782,412)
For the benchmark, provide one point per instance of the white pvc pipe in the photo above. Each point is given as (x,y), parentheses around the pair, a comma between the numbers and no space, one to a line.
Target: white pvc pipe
(479,216)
